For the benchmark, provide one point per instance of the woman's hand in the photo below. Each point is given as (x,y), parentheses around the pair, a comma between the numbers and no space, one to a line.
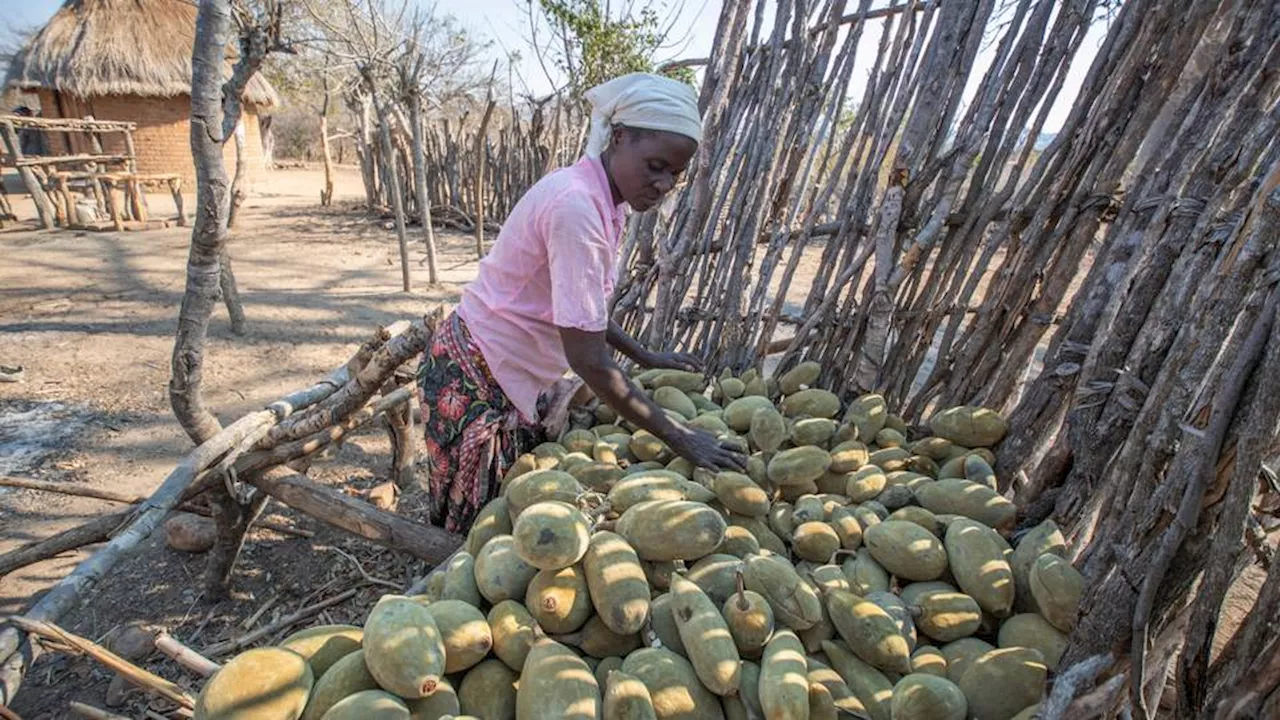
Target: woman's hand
(671,361)
(704,450)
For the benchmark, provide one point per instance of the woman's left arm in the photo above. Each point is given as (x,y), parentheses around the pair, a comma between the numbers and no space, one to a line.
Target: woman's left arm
(619,340)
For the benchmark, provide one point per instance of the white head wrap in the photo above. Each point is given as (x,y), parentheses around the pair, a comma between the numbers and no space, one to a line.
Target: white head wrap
(641,100)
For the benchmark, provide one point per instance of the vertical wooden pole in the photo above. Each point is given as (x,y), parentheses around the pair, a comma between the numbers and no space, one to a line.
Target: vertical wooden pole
(326,193)
(43,207)
(420,185)
(175,187)
(480,153)
(395,193)
(113,205)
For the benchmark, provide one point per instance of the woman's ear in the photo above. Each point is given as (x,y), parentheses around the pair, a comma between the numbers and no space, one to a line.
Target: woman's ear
(616,136)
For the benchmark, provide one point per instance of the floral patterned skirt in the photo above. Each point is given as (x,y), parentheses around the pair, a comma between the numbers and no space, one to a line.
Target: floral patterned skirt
(473,432)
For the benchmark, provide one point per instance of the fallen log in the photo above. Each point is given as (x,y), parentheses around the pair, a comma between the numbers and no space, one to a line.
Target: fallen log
(94,531)
(100,529)
(70,489)
(423,541)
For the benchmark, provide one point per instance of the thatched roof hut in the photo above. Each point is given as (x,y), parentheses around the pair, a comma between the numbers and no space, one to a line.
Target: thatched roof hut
(127,60)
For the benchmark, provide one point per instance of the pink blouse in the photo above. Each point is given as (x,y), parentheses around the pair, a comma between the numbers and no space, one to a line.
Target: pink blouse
(552,266)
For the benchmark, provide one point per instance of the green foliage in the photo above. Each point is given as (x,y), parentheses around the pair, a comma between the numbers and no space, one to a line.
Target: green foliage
(599,47)
(683,74)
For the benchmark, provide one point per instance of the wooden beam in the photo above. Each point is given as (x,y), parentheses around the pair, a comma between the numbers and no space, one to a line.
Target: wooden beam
(68,160)
(66,124)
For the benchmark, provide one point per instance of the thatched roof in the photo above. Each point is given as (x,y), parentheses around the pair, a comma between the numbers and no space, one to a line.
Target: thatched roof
(118,47)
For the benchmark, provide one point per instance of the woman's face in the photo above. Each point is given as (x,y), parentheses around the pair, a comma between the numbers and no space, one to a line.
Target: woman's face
(645,164)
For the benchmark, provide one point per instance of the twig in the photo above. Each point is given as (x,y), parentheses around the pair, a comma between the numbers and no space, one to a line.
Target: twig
(92,713)
(185,656)
(8,714)
(230,646)
(253,619)
(367,577)
(130,672)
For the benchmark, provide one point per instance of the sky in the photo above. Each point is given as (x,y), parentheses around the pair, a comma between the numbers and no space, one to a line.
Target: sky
(505,23)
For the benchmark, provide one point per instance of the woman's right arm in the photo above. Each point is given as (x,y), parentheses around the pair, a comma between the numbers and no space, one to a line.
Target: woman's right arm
(590,358)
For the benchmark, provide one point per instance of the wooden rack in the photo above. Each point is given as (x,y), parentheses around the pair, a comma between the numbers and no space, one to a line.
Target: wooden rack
(112,179)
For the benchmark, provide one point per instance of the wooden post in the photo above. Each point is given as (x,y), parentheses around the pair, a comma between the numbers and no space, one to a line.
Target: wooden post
(420,185)
(6,210)
(43,206)
(395,191)
(479,180)
(113,205)
(326,193)
(65,192)
(175,187)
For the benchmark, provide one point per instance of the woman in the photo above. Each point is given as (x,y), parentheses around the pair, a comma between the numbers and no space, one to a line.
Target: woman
(539,306)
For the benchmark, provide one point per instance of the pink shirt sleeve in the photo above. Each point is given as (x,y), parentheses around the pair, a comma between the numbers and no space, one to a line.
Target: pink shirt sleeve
(578,257)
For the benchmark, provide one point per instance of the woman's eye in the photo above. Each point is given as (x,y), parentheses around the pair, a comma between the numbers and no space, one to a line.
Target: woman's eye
(656,167)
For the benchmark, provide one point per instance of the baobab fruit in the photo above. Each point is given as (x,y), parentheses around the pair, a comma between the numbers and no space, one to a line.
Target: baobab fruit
(465,631)
(969,426)
(551,535)
(369,704)
(920,696)
(263,682)
(906,550)
(556,684)
(799,377)
(403,647)
(814,403)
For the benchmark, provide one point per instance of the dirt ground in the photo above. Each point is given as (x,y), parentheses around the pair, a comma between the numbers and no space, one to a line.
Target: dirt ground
(91,318)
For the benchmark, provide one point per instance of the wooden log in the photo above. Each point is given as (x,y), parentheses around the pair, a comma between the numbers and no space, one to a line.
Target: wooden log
(131,499)
(94,531)
(427,542)
(63,488)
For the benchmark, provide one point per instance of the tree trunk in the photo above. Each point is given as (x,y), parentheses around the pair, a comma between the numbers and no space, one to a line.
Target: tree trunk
(238,192)
(479,178)
(267,128)
(420,185)
(368,156)
(209,234)
(230,293)
(395,192)
(326,194)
